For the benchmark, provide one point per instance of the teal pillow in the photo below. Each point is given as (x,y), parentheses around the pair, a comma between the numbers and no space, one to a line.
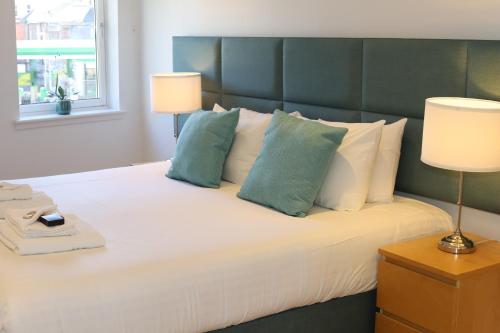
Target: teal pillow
(288,173)
(202,147)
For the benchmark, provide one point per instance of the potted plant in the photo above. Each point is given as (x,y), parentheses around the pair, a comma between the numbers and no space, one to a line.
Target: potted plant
(63,106)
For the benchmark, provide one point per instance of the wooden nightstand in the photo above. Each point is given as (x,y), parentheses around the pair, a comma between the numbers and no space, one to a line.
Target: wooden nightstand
(422,289)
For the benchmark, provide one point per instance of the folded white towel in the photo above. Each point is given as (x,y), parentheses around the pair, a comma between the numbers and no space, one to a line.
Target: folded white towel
(25,216)
(39,199)
(25,223)
(38,229)
(86,238)
(10,191)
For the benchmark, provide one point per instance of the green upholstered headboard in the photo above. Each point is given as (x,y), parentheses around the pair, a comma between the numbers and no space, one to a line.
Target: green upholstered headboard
(354,80)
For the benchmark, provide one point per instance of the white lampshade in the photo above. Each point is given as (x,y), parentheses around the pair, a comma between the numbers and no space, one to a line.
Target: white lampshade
(176,92)
(462,134)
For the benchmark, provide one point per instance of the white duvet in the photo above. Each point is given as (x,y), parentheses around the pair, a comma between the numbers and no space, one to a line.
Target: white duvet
(181,258)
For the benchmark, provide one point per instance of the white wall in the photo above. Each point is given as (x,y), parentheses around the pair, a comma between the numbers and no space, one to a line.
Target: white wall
(163,19)
(79,147)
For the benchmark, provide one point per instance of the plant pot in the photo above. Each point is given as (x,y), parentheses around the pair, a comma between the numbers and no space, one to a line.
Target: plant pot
(63,107)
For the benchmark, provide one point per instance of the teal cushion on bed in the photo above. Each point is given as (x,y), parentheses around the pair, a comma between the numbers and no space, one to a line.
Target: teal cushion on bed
(202,148)
(292,164)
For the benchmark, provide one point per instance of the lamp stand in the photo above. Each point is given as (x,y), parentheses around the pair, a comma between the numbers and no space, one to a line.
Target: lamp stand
(457,243)
(176,127)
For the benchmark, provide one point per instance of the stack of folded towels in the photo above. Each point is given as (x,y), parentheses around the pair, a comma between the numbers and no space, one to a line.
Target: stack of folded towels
(20,230)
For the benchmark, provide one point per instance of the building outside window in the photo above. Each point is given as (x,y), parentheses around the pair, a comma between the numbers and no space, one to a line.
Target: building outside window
(59,42)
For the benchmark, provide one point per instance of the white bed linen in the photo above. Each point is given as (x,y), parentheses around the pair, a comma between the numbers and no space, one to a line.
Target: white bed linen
(181,258)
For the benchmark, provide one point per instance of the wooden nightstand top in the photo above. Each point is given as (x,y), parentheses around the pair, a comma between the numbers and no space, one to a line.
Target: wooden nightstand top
(423,254)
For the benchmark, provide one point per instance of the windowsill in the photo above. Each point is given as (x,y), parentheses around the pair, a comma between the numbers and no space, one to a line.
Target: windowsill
(76,117)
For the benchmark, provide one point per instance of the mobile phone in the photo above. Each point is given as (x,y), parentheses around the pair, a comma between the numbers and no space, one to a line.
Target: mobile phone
(51,220)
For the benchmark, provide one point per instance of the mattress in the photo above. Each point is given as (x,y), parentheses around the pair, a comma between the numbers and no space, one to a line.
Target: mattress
(181,258)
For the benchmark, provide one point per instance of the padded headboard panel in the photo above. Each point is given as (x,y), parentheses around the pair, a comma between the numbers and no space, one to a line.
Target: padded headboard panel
(354,80)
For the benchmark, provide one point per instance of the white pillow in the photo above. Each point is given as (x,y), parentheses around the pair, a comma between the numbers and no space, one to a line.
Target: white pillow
(348,179)
(218,108)
(247,143)
(386,163)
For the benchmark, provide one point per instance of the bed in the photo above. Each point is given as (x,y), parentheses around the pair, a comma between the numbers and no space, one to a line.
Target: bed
(180,258)
(193,259)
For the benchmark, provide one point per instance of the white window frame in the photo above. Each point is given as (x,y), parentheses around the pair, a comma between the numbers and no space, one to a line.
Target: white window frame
(43,109)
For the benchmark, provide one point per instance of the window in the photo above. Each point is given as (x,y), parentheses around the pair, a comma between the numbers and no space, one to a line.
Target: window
(60,42)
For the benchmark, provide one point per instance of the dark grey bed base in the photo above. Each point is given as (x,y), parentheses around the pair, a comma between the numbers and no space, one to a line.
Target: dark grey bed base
(351,314)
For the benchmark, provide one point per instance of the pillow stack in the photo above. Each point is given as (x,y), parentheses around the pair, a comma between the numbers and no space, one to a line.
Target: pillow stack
(288,162)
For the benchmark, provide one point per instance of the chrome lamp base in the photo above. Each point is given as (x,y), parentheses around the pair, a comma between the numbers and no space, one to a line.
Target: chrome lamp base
(457,243)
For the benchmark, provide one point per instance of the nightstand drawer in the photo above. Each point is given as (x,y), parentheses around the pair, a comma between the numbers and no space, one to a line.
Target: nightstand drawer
(385,324)
(418,298)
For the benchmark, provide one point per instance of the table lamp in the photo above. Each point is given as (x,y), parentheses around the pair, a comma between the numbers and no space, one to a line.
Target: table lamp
(463,135)
(176,93)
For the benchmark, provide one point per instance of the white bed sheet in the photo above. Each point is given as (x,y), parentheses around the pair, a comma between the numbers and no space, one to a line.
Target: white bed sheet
(181,258)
